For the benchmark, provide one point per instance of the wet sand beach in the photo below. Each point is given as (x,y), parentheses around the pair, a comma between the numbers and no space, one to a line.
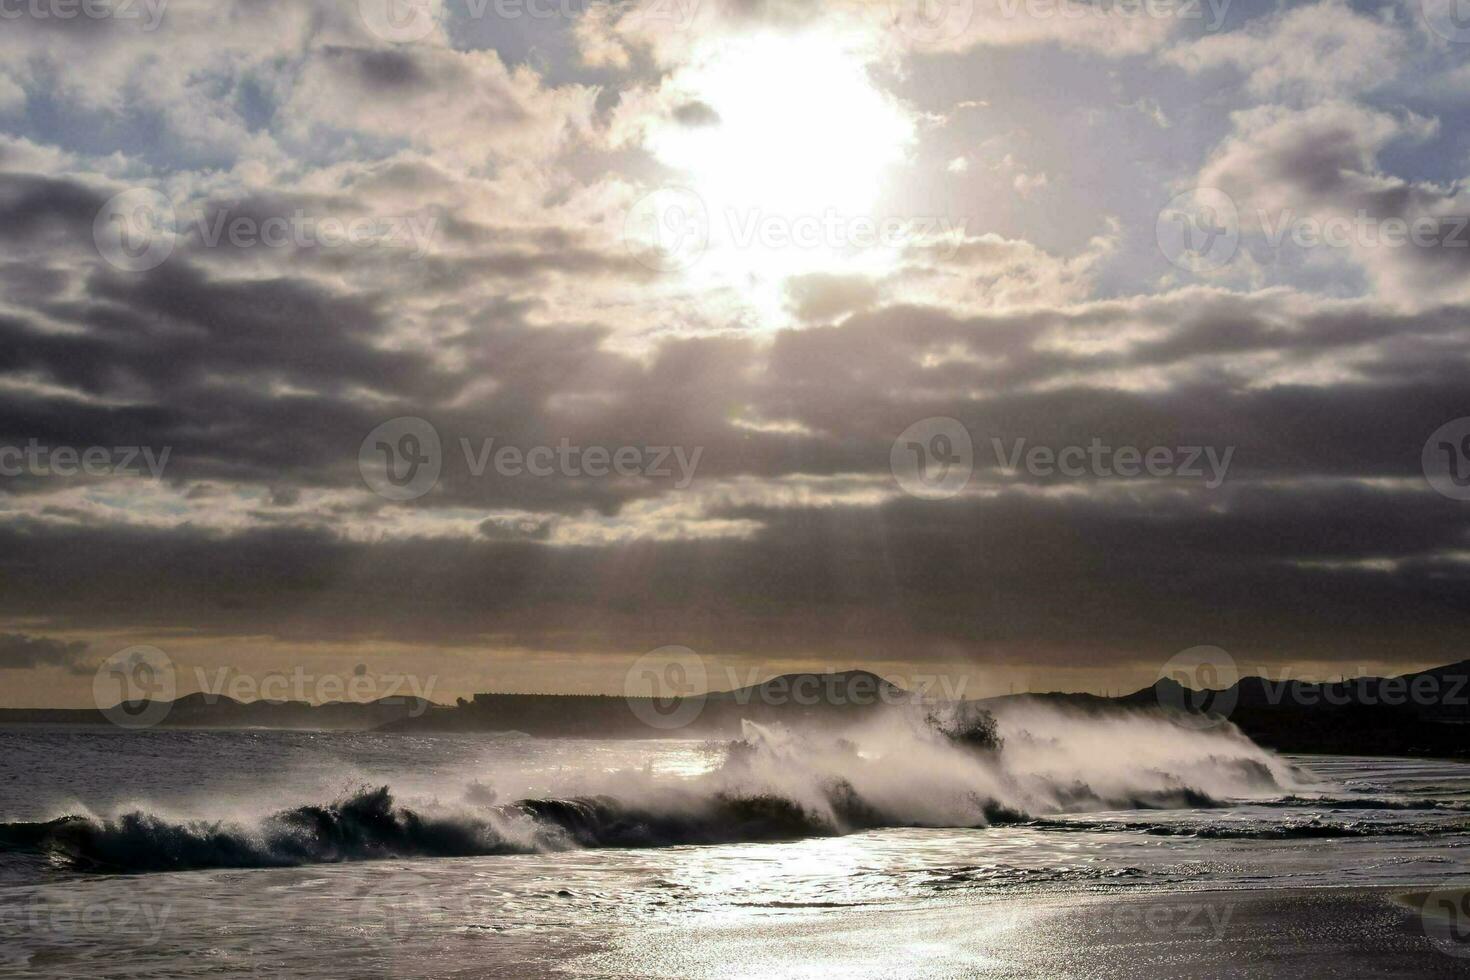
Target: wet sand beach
(1298,933)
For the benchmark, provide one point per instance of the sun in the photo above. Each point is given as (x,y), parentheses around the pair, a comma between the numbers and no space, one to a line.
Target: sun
(785,136)
(796,124)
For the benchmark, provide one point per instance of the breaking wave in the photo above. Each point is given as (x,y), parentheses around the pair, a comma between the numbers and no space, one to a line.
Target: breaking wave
(961,770)
(370,825)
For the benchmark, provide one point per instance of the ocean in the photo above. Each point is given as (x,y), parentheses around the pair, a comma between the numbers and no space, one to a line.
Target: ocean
(324,854)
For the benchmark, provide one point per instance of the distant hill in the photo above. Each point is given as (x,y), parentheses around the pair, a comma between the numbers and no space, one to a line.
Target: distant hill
(1426,713)
(793,699)
(211,711)
(1420,714)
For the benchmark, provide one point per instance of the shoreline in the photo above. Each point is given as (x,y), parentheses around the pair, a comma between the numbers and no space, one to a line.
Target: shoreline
(1310,932)
(103,727)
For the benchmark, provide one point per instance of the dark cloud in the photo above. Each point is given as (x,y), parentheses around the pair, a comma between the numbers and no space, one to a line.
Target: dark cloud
(42,211)
(1275,572)
(696,114)
(383,70)
(19,651)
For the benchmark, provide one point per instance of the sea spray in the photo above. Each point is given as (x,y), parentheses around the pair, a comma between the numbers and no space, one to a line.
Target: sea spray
(946,766)
(1060,759)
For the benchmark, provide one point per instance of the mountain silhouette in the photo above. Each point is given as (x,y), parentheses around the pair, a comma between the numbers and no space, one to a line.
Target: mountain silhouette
(1425,713)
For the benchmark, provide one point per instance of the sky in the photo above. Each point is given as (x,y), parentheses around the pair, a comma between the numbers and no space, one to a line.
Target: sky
(503,343)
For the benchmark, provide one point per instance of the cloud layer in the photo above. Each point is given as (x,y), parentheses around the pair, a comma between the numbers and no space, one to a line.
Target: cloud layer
(362,226)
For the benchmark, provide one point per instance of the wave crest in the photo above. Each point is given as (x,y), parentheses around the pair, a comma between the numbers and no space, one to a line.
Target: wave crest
(963,769)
